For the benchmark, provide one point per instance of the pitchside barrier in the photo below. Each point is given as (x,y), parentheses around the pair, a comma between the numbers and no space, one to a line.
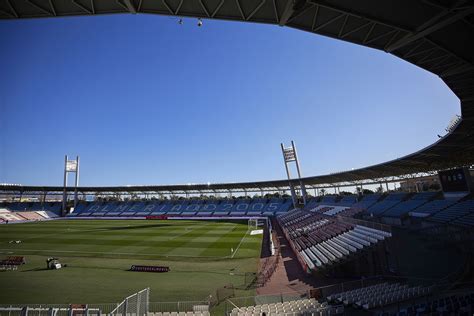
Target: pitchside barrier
(56,309)
(97,309)
(135,304)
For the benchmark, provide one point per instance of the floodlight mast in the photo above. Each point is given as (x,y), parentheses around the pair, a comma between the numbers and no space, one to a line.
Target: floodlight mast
(70,166)
(303,189)
(290,155)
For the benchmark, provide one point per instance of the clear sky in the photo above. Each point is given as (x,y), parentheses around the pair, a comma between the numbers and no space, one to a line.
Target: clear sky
(144,100)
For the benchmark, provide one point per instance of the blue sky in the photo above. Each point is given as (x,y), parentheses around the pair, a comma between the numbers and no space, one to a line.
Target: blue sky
(144,100)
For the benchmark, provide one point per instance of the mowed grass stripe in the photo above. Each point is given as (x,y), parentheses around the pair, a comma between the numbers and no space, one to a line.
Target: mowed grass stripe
(90,236)
(200,244)
(174,245)
(226,242)
(121,241)
(112,235)
(145,242)
(138,230)
(96,253)
(159,242)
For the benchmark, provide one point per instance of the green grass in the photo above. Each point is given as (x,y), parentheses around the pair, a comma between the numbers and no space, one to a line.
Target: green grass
(99,253)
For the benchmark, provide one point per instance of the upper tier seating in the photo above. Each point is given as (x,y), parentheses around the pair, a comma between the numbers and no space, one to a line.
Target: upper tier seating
(348,200)
(322,240)
(454,212)
(409,205)
(311,203)
(350,212)
(435,206)
(367,201)
(390,201)
(329,199)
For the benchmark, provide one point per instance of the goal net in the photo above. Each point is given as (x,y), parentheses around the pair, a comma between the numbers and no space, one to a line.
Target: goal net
(256,223)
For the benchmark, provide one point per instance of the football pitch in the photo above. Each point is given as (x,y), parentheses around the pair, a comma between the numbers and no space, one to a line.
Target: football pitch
(202,255)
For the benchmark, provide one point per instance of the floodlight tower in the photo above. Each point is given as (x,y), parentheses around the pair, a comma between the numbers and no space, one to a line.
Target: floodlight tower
(70,166)
(290,155)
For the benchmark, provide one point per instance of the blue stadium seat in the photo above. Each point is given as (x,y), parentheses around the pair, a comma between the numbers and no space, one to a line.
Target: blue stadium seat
(390,201)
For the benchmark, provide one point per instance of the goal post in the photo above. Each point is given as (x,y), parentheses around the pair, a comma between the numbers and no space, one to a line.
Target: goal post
(256,223)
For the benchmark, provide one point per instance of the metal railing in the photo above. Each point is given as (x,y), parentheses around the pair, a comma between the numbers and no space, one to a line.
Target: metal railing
(135,304)
(183,306)
(56,309)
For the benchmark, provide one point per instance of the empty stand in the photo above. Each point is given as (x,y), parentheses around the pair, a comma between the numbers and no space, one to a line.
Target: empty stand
(348,200)
(403,208)
(455,304)
(454,213)
(435,206)
(379,295)
(187,208)
(296,307)
(321,240)
(384,205)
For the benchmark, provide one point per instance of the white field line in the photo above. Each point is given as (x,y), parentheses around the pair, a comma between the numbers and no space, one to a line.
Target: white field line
(105,253)
(189,230)
(238,246)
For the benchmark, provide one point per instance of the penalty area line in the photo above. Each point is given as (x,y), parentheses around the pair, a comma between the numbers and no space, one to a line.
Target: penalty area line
(238,246)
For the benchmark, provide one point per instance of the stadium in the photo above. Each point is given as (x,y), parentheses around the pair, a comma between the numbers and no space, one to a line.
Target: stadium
(301,245)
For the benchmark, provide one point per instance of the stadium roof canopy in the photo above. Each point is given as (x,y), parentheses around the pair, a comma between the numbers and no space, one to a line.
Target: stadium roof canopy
(436,35)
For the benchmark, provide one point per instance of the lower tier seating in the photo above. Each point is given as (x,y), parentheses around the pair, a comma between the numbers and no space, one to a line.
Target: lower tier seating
(456,304)
(183,208)
(296,307)
(7,216)
(379,295)
(322,240)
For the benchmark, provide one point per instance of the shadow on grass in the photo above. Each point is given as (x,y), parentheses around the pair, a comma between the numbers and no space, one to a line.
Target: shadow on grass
(36,269)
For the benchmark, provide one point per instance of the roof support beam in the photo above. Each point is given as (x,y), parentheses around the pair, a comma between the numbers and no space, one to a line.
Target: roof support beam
(217,8)
(431,26)
(130,6)
(255,10)
(7,14)
(83,8)
(52,7)
(12,9)
(290,8)
(33,4)
(331,6)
